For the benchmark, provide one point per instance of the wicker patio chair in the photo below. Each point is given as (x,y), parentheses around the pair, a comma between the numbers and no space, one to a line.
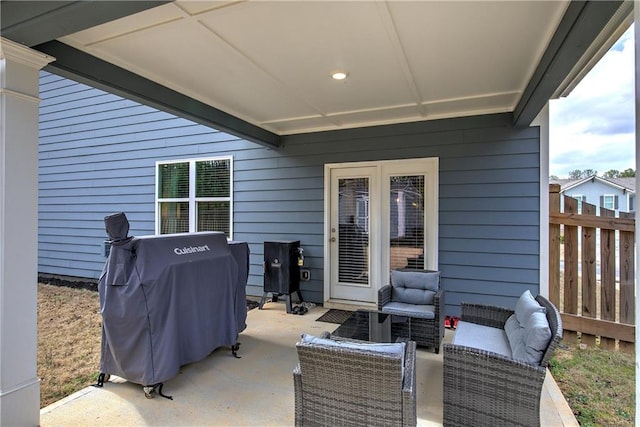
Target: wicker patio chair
(427,318)
(353,387)
(482,388)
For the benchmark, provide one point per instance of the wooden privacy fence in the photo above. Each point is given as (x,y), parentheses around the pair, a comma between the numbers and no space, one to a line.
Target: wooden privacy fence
(593,287)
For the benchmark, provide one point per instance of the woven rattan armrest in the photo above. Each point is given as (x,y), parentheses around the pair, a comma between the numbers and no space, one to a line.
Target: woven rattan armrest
(486,315)
(409,386)
(514,365)
(297,388)
(384,296)
(438,302)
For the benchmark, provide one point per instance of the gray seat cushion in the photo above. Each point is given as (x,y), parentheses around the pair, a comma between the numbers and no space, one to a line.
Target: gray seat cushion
(411,310)
(482,337)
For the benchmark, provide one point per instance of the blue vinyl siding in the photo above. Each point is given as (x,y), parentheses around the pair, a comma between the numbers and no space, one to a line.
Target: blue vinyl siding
(488,196)
(98,151)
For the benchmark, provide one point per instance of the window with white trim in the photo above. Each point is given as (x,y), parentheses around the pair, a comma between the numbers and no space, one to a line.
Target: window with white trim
(609,201)
(194,195)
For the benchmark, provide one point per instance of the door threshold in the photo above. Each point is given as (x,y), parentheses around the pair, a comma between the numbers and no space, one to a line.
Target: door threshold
(340,304)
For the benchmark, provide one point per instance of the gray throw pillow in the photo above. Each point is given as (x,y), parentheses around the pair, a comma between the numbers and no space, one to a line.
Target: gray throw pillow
(515,336)
(527,305)
(537,336)
(416,279)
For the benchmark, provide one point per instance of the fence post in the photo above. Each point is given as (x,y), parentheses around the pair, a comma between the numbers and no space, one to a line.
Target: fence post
(570,267)
(554,246)
(627,279)
(588,246)
(607,277)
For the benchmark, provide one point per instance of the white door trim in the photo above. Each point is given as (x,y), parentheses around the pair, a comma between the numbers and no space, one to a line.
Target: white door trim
(427,166)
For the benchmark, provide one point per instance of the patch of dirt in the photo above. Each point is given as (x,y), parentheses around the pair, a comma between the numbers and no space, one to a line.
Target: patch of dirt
(69,337)
(563,353)
(75,283)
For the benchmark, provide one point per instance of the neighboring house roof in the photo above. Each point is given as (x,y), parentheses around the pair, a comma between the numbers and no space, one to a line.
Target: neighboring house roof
(627,184)
(563,183)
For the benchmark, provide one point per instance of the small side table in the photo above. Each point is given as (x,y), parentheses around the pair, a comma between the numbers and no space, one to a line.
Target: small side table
(375,326)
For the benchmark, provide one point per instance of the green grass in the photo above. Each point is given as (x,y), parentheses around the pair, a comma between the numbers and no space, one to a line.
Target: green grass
(599,385)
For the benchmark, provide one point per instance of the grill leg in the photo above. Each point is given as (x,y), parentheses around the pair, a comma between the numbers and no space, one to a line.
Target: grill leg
(275,296)
(288,300)
(262,300)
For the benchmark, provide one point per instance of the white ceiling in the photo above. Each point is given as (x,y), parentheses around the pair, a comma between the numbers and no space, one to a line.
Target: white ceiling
(269,62)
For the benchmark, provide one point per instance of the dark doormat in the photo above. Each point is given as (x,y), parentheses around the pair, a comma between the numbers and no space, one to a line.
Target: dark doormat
(335,316)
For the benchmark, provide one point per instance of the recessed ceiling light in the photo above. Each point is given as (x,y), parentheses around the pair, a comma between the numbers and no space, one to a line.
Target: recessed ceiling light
(339,75)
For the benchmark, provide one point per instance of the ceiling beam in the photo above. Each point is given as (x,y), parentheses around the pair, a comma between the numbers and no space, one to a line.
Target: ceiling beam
(34,22)
(80,66)
(581,24)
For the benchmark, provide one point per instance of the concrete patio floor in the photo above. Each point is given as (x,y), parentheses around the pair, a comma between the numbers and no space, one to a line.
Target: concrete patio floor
(256,390)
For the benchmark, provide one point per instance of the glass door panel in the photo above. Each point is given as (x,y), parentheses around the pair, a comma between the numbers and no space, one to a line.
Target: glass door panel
(353,230)
(406,221)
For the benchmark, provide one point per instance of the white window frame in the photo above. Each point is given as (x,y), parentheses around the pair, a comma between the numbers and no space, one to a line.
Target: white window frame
(612,197)
(192,199)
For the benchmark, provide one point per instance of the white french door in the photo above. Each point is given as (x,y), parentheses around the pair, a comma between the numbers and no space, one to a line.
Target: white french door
(353,209)
(378,216)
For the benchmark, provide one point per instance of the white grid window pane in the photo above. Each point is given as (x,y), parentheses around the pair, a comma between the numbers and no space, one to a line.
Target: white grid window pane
(609,202)
(174,217)
(213,178)
(173,180)
(214,216)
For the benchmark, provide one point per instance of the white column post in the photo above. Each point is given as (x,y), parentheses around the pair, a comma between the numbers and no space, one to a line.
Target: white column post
(542,120)
(19,385)
(636,13)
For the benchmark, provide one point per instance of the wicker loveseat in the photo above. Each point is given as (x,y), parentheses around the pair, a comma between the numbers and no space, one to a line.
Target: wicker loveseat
(417,294)
(344,383)
(492,375)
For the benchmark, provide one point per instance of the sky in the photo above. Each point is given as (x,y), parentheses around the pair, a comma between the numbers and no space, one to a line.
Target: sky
(594,127)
